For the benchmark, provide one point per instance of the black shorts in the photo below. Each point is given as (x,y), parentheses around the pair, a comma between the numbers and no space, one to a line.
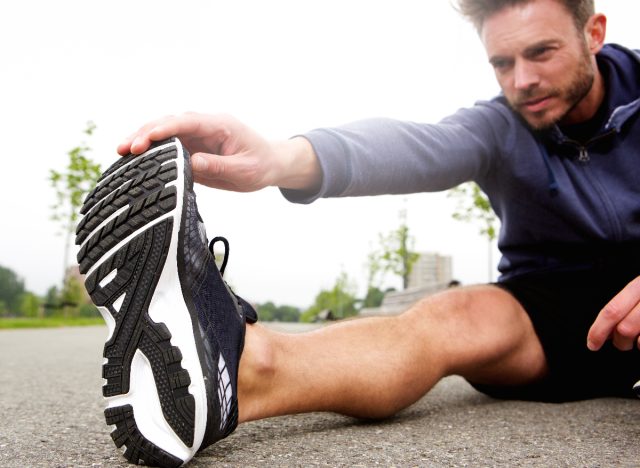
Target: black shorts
(562,304)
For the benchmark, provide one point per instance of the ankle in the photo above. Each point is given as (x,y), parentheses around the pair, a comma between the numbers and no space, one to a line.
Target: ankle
(256,371)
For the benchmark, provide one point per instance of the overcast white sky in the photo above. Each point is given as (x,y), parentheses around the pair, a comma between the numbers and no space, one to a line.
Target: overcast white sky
(284,67)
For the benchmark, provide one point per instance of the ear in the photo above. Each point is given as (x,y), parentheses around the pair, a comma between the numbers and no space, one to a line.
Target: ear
(595,32)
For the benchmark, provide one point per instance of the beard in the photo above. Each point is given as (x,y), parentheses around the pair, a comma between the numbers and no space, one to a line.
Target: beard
(569,95)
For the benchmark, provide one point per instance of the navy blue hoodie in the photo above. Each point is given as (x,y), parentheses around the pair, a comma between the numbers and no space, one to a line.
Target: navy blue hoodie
(557,199)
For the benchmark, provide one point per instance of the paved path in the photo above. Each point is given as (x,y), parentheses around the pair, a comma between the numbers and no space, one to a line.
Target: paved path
(51,416)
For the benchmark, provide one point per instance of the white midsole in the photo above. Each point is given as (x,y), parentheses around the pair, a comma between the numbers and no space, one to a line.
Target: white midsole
(167,306)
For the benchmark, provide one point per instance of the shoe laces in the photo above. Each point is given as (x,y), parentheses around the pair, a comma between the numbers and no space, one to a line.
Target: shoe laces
(226,251)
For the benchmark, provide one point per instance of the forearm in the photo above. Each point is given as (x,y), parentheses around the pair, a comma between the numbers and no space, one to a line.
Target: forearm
(384,156)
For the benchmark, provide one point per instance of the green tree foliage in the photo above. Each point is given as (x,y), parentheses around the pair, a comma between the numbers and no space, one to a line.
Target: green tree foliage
(473,205)
(69,302)
(72,297)
(11,291)
(71,185)
(373,298)
(30,305)
(88,310)
(340,300)
(269,312)
(395,255)
(375,271)
(51,301)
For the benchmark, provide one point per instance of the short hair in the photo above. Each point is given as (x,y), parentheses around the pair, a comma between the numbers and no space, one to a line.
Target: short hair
(477,11)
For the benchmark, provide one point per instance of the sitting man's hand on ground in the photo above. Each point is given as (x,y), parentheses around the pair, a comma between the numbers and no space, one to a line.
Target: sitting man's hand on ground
(618,320)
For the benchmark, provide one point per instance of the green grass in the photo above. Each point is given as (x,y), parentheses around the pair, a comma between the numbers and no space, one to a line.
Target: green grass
(49,322)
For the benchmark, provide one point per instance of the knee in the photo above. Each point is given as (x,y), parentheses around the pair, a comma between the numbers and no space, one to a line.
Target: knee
(468,305)
(443,307)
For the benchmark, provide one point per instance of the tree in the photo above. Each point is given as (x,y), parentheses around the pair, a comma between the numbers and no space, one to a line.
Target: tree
(374,297)
(88,310)
(340,300)
(395,254)
(269,312)
(474,205)
(72,297)
(29,305)
(51,301)
(71,186)
(11,291)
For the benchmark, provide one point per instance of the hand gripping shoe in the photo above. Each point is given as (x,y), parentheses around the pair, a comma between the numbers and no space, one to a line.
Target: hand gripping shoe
(175,330)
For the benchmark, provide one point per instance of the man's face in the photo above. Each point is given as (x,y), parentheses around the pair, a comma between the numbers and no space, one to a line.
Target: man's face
(541,61)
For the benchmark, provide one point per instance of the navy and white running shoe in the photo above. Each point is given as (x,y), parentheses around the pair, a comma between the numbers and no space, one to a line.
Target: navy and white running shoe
(175,329)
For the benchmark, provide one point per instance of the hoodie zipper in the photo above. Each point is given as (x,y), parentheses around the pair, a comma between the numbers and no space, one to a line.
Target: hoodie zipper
(605,201)
(583,152)
(584,155)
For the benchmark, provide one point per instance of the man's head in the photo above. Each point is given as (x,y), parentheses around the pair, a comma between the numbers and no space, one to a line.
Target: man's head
(543,55)
(478,10)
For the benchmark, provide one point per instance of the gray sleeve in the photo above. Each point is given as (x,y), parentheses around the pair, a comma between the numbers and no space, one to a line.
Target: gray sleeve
(385,156)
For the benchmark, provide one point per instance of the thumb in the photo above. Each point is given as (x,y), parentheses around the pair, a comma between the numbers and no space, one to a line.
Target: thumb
(211,169)
(199,163)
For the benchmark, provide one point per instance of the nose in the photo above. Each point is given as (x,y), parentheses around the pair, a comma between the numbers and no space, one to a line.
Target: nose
(525,75)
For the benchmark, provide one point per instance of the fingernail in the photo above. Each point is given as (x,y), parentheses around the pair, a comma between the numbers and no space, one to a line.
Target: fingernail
(591,345)
(198,163)
(136,142)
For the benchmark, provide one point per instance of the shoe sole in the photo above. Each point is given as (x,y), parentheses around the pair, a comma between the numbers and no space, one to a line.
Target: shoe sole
(130,237)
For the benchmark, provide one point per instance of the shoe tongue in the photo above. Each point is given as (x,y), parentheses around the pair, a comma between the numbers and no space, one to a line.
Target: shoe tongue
(202,231)
(250,314)
(197,210)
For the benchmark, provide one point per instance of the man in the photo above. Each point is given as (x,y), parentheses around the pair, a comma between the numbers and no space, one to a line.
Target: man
(557,154)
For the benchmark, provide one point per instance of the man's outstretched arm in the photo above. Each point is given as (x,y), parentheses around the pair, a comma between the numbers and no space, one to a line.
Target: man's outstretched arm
(227,154)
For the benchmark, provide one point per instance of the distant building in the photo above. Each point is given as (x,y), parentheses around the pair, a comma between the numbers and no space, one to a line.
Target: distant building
(430,274)
(429,269)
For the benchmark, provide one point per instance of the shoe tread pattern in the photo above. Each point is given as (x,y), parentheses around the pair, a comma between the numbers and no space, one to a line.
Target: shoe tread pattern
(138,449)
(122,195)
(138,264)
(123,161)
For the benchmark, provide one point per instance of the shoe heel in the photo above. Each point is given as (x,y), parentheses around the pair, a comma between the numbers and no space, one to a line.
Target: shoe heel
(138,449)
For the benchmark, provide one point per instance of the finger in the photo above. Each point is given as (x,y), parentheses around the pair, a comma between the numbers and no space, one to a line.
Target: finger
(622,342)
(627,331)
(612,314)
(186,127)
(204,133)
(139,141)
(142,141)
(124,148)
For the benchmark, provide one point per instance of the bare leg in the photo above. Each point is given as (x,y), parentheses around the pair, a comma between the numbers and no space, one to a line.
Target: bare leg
(374,367)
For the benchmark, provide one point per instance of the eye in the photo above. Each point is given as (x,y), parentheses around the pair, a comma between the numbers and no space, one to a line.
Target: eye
(501,65)
(540,53)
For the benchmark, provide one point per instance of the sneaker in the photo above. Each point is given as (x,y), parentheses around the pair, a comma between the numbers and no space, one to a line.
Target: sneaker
(175,329)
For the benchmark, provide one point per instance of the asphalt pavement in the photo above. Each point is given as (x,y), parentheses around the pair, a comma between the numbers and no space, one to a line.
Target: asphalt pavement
(51,416)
